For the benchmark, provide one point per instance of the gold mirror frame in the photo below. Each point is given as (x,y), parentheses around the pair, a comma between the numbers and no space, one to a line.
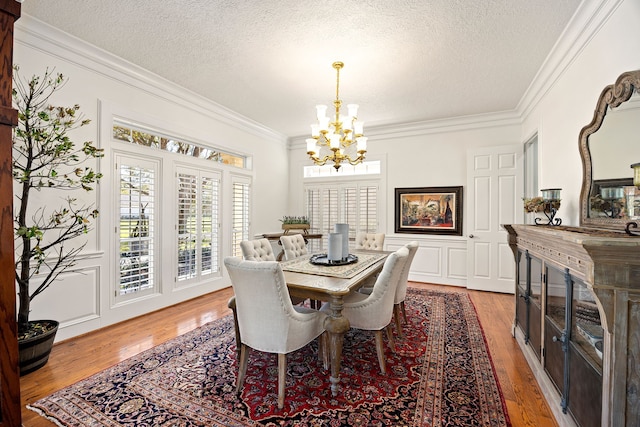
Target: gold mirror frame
(612,96)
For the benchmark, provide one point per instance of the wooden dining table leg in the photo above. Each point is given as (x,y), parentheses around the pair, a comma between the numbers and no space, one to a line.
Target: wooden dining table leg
(336,325)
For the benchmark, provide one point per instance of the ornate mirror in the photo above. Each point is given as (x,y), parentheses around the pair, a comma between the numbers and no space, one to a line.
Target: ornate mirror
(608,148)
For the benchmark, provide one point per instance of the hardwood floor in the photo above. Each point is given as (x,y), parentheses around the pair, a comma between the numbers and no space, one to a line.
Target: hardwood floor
(78,358)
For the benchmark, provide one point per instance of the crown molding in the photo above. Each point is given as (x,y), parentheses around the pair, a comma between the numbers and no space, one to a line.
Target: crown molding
(590,16)
(454,124)
(35,34)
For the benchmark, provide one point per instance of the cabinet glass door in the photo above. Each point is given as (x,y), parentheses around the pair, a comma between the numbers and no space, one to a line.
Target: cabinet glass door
(585,358)
(535,306)
(522,293)
(554,323)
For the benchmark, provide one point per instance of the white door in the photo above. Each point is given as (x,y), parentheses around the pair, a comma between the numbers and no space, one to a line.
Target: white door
(494,197)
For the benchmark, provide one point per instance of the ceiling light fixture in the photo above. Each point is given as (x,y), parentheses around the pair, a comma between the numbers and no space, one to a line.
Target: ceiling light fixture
(339,134)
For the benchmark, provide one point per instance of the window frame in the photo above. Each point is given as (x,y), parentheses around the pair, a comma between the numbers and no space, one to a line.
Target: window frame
(216,271)
(120,158)
(245,232)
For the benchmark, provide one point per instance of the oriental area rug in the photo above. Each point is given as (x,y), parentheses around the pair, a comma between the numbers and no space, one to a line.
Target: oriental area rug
(440,375)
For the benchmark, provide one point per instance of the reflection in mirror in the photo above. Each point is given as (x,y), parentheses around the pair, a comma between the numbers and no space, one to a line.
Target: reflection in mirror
(614,147)
(609,145)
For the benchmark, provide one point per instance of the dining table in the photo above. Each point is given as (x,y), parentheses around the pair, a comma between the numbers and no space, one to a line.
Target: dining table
(331,283)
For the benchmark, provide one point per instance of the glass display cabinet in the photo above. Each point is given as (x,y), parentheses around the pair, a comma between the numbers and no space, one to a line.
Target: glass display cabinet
(586,359)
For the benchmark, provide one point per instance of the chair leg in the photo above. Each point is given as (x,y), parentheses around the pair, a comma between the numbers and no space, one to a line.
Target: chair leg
(396,317)
(282,378)
(242,370)
(232,305)
(392,343)
(404,313)
(380,352)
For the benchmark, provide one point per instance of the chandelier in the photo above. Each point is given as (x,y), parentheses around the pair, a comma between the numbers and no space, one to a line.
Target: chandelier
(336,135)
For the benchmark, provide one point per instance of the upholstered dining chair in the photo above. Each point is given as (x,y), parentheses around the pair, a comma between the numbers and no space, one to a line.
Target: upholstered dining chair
(293,245)
(372,241)
(254,250)
(268,321)
(374,312)
(401,290)
(257,250)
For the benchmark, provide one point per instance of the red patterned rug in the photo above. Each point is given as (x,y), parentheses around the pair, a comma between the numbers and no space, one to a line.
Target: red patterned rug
(440,375)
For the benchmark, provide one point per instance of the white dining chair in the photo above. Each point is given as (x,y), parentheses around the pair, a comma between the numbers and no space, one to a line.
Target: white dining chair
(267,319)
(257,250)
(293,245)
(374,312)
(254,250)
(371,241)
(401,290)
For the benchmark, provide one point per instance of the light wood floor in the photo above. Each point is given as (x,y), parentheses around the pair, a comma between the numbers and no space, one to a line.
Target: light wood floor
(78,358)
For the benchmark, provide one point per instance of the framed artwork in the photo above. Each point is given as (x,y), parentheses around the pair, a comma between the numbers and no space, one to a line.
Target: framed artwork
(429,210)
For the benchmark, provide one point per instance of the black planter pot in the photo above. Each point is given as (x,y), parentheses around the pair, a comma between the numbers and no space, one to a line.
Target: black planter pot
(34,351)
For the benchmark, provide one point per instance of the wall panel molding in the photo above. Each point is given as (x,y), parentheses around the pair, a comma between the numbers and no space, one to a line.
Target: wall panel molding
(439,260)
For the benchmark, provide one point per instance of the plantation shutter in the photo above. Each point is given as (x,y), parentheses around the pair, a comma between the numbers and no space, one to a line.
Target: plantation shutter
(350,209)
(240,215)
(354,204)
(368,210)
(197,228)
(330,212)
(314,214)
(136,207)
(187,225)
(210,220)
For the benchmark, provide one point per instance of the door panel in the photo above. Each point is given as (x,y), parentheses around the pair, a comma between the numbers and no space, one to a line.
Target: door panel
(494,177)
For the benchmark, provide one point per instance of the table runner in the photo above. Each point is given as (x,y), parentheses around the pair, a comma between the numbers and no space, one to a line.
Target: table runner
(302,265)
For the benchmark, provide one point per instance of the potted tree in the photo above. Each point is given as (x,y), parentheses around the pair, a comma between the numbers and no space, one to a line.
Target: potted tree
(46,161)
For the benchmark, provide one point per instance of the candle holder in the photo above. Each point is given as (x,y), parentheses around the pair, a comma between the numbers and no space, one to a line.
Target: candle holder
(613,198)
(548,204)
(636,182)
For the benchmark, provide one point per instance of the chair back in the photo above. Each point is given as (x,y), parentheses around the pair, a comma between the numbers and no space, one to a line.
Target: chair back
(257,250)
(376,311)
(293,246)
(262,302)
(401,290)
(371,241)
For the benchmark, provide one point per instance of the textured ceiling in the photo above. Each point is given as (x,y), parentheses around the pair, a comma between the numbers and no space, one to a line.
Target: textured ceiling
(405,60)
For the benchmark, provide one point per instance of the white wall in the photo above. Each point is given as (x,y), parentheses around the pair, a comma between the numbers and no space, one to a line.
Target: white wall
(102,84)
(428,154)
(606,47)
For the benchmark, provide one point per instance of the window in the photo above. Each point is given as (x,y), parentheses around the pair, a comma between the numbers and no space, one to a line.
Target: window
(198,223)
(531,171)
(140,135)
(166,199)
(137,213)
(354,203)
(240,213)
(371,167)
